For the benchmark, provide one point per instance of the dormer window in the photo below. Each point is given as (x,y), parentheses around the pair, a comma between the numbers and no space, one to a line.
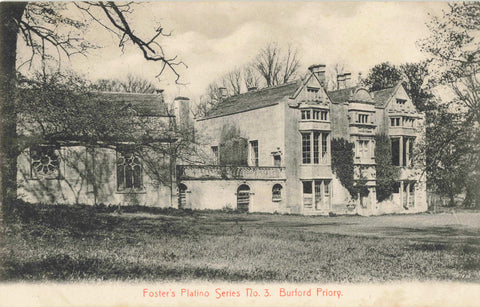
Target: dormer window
(312,93)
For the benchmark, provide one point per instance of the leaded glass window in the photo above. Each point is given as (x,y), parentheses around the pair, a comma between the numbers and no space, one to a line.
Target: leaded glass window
(129,171)
(44,162)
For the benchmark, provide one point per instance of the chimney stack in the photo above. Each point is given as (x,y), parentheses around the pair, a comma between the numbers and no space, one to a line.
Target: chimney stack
(223,92)
(319,71)
(159,92)
(348,77)
(181,109)
(340,82)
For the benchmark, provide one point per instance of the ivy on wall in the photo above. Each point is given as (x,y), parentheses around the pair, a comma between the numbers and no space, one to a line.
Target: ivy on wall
(233,148)
(342,163)
(387,173)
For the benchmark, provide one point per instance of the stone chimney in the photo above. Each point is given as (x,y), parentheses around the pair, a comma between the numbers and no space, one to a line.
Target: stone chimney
(319,71)
(181,110)
(223,92)
(348,78)
(340,82)
(159,92)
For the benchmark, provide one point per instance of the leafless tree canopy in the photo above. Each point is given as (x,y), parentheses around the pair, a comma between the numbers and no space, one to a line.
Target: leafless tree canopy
(132,84)
(250,77)
(333,72)
(233,81)
(275,65)
(45,26)
(272,66)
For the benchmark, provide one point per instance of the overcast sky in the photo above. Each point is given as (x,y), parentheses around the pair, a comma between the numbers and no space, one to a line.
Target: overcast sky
(215,37)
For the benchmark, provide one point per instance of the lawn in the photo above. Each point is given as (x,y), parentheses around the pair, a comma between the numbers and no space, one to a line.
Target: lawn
(73,243)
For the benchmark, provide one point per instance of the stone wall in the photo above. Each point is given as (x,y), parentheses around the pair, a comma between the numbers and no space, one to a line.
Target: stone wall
(86,177)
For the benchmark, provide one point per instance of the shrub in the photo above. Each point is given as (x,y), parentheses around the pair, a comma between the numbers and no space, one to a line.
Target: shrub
(342,163)
(387,173)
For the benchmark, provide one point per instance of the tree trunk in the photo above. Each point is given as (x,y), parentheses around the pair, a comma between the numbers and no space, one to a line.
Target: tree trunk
(10,14)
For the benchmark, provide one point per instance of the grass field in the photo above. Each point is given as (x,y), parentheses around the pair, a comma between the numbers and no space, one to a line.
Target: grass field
(71,243)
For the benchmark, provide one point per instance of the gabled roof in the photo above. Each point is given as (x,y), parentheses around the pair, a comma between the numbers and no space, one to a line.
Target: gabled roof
(381,97)
(341,95)
(143,104)
(253,100)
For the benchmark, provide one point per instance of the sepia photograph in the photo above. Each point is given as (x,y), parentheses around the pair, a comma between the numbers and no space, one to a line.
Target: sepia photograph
(240,153)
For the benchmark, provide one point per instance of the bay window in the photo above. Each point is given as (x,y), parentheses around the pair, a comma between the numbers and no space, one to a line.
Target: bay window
(315,147)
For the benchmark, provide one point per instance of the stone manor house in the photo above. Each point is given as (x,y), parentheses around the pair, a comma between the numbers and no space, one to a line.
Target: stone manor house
(277,157)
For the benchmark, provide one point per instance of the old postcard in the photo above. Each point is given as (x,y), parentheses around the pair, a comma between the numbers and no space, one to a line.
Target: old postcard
(232,152)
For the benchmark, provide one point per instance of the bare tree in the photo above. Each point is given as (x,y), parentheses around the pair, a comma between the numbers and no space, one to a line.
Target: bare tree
(333,72)
(137,84)
(276,66)
(250,77)
(267,64)
(43,27)
(233,81)
(290,63)
(132,84)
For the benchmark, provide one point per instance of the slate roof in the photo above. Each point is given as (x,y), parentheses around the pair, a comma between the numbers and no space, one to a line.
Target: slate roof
(381,96)
(271,96)
(342,95)
(253,100)
(144,104)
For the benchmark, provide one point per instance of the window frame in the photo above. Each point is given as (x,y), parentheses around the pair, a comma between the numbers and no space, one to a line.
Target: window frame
(320,197)
(254,153)
(277,192)
(363,118)
(133,186)
(46,150)
(216,154)
(395,122)
(315,147)
(313,93)
(314,114)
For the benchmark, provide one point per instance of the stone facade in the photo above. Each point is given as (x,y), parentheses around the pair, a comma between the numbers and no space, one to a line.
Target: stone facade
(290,128)
(71,172)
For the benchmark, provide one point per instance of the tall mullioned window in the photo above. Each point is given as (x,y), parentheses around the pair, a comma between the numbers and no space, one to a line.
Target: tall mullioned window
(315,147)
(129,171)
(254,153)
(306,149)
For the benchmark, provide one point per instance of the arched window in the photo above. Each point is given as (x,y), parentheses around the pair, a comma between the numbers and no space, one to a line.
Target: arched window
(277,192)
(243,198)
(129,170)
(182,196)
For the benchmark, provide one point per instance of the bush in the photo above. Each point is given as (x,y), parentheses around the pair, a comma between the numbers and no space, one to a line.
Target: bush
(342,163)
(387,173)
